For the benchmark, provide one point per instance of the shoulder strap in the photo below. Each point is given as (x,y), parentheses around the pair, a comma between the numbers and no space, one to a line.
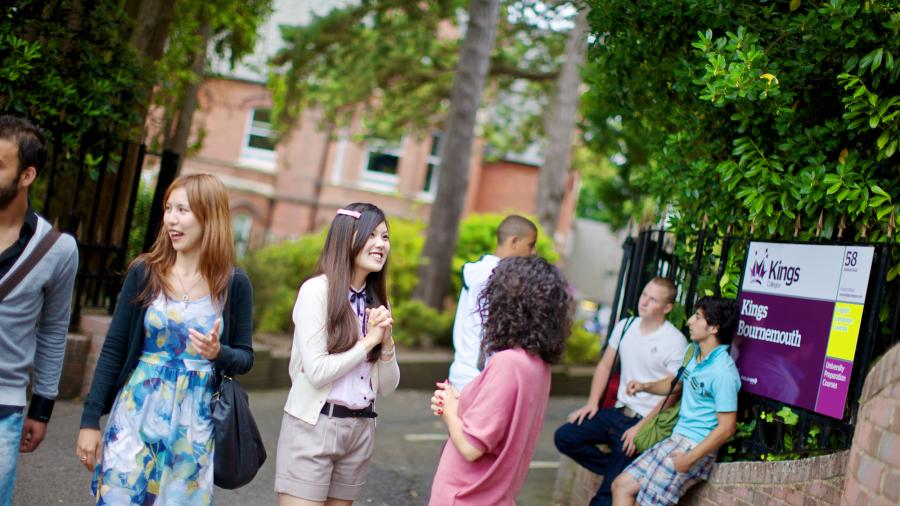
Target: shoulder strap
(16,277)
(688,355)
(625,328)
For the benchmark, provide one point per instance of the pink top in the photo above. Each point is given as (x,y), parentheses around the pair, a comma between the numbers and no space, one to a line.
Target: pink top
(502,411)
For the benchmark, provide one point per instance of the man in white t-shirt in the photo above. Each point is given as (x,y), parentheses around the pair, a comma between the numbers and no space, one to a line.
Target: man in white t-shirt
(650,348)
(516,237)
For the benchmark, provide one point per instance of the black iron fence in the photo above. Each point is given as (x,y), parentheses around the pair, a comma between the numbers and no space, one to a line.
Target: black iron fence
(91,194)
(710,263)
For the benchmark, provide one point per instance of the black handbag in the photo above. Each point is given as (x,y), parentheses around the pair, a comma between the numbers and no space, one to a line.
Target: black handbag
(239,450)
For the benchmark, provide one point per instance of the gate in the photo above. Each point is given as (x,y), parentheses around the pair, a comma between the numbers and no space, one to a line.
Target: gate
(91,194)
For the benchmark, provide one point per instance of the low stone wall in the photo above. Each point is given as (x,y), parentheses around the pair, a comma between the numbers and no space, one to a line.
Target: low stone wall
(806,482)
(873,472)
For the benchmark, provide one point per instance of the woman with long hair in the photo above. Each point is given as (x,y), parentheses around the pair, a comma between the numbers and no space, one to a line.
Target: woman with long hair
(183,313)
(342,358)
(495,422)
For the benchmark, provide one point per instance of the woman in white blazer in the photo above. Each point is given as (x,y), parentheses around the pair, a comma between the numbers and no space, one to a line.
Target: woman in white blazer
(342,358)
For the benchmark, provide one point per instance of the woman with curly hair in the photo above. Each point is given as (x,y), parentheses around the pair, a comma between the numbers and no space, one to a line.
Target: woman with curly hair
(494,423)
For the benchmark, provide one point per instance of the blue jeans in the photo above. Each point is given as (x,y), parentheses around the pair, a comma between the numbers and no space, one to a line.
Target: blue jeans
(10,436)
(579,442)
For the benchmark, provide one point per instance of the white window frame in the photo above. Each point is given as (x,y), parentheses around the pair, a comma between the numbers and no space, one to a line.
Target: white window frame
(242,225)
(380,180)
(257,158)
(435,161)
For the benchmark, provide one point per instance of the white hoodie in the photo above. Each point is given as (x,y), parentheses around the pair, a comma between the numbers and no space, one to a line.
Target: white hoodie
(467,329)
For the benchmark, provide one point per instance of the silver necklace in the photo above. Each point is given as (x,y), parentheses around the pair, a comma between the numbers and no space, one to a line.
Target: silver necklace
(184,293)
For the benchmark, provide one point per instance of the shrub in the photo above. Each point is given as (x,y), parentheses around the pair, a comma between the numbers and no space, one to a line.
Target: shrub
(407,240)
(139,220)
(418,324)
(582,347)
(278,270)
(478,236)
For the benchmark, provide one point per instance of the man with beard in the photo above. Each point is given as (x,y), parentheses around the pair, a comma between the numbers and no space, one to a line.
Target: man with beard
(34,312)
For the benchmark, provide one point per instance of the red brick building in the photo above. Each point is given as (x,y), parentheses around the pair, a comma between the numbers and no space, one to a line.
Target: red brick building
(283,190)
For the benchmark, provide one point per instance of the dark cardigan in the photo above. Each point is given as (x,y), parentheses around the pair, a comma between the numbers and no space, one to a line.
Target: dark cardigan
(125,341)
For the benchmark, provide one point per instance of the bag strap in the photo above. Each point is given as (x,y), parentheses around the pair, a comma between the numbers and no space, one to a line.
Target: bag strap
(15,277)
(627,325)
(688,355)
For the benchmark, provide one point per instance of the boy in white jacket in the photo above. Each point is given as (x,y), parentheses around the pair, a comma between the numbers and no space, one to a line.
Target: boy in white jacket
(516,237)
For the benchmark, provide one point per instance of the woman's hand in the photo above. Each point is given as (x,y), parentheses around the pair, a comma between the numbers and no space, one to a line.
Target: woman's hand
(445,401)
(378,326)
(208,346)
(437,402)
(87,449)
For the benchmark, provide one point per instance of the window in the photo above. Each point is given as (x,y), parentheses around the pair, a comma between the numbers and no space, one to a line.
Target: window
(381,163)
(434,163)
(241,224)
(259,144)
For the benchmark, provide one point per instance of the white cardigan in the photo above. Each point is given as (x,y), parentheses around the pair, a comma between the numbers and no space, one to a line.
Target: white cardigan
(312,368)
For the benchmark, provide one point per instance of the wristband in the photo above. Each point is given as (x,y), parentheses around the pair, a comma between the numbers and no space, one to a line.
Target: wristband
(41,408)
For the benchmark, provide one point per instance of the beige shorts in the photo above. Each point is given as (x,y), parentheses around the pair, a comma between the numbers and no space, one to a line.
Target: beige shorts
(328,459)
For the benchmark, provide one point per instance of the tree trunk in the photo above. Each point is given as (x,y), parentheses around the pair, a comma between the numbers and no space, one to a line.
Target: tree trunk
(465,99)
(152,19)
(184,114)
(559,125)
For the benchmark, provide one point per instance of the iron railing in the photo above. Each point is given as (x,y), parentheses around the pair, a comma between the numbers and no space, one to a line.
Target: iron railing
(701,261)
(90,193)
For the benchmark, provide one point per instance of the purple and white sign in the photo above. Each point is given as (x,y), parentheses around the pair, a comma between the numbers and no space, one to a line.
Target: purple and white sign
(800,311)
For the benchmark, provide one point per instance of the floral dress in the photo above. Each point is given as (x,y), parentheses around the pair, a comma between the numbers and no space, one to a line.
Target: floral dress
(158,443)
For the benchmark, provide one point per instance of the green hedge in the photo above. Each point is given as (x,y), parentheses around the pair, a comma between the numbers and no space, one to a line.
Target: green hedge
(278,270)
(582,347)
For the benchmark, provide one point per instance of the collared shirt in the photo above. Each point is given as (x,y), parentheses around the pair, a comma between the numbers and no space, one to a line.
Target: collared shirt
(10,255)
(709,387)
(354,389)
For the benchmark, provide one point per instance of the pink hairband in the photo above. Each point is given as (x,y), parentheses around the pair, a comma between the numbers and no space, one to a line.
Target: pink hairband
(353,214)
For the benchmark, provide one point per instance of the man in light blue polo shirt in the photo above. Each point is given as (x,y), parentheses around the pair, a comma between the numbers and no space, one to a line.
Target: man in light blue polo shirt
(706,420)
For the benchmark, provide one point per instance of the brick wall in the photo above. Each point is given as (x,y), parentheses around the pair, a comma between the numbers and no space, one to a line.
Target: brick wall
(77,348)
(575,485)
(94,327)
(807,482)
(873,472)
(866,475)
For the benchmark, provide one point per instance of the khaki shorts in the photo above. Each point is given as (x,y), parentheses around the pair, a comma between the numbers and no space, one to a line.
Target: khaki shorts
(328,459)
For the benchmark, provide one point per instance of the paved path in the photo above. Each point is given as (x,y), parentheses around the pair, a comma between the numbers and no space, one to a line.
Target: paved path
(408,443)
